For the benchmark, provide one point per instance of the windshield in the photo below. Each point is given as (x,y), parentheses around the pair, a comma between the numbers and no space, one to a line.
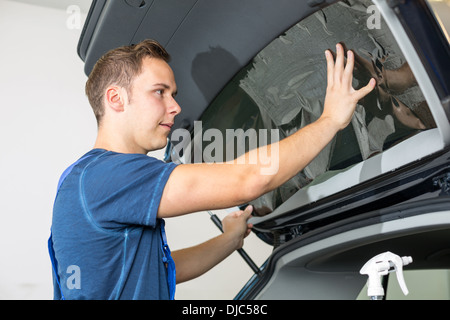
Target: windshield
(283,88)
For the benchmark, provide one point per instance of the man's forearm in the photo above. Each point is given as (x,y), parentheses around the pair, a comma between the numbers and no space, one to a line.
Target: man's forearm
(217,186)
(294,153)
(194,261)
(239,181)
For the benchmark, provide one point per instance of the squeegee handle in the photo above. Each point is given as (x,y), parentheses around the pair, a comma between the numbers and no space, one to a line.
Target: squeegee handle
(241,251)
(217,222)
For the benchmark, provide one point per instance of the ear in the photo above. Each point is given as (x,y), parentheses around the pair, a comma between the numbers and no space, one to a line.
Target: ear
(115,98)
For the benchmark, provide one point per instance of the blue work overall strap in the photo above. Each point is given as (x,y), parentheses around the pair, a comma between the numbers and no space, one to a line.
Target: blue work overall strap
(168,261)
(51,251)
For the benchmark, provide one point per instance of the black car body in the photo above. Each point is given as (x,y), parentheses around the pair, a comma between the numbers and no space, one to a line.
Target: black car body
(383,184)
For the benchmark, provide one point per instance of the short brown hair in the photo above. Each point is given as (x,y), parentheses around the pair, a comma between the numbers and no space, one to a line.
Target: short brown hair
(119,66)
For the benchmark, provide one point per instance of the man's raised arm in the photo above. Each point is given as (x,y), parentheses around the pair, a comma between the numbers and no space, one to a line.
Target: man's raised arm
(198,187)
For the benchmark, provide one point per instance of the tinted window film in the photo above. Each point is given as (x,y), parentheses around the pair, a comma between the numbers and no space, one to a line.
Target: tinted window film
(283,88)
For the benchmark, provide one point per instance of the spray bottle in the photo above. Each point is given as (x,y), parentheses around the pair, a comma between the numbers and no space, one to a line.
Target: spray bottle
(379,266)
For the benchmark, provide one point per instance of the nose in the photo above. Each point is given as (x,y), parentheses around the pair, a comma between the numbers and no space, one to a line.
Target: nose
(174,107)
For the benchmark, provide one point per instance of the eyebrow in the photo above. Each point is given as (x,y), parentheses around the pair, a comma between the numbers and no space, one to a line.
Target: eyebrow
(165,86)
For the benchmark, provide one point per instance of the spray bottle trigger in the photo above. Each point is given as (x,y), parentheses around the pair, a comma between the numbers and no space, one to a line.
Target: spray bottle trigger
(399,268)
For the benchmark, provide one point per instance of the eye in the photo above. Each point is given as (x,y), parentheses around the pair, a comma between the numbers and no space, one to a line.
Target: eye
(160,92)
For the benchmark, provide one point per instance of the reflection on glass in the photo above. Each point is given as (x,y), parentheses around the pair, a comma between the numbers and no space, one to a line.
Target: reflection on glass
(284,88)
(441,11)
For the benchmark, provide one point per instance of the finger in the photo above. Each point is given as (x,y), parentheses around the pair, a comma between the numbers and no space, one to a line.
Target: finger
(361,93)
(249,228)
(344,46)
(339,66)
(248,212)
(333,54)
(348,71)
(330,67)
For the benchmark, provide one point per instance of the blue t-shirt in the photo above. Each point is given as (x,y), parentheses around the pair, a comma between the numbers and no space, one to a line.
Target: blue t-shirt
(106,236)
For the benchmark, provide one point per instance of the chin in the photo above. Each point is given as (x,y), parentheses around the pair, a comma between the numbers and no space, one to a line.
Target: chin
(158,146)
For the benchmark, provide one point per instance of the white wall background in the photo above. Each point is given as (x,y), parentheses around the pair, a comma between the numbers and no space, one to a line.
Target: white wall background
(45,124)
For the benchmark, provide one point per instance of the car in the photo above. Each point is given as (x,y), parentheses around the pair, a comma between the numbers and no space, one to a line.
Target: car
(254,71)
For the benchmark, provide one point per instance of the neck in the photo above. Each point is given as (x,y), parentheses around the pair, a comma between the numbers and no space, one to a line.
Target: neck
(112,141)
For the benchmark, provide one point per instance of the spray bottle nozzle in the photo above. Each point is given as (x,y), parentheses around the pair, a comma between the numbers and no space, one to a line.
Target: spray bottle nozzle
(381,265)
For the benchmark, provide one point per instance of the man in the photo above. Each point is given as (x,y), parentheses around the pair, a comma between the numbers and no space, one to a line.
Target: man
(108,214)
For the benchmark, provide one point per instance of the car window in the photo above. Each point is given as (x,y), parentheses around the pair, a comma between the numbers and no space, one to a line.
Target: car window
(283,88)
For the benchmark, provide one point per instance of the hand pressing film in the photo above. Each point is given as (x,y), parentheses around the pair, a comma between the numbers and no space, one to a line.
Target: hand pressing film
(381,101)
(340,94)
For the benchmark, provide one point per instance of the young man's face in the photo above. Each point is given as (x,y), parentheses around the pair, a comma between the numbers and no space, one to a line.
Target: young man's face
(152,107)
